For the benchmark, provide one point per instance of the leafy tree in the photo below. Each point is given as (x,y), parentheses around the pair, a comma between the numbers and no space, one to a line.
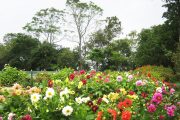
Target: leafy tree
(45,24)
(19,51)
(67,58)
(82,15)
(154,46)
(44,57)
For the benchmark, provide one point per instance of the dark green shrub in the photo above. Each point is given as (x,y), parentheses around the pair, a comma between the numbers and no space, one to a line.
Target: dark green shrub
(10,75)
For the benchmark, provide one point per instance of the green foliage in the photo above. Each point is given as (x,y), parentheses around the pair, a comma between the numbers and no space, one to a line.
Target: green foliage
(42,76)
(62,74)
(10,75)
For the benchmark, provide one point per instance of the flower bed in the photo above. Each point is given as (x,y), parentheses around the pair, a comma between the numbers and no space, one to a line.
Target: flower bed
(89,96)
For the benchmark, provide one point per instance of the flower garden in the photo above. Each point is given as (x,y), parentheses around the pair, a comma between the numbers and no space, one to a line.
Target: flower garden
(142,94)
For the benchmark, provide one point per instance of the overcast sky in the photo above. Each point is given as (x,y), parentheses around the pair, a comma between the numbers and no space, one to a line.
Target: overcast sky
(134,14)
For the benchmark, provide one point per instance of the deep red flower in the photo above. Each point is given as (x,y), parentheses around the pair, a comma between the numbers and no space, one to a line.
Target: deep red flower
(26,117)
(84,81)
(82,72)
(126,115)
(127,102)
(144,95)
(94,108)
(131,92)
(113,113)
(71,76)
(161,117)
(50,83)
(99,101)
(88,76)
(99,116)
(90,103)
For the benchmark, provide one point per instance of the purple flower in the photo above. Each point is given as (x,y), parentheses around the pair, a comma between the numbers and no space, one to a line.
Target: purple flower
(119,78)
(139,83)
(151,108)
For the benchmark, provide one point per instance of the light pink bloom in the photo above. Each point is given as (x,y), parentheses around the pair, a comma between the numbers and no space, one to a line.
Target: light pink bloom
(10,116)
(130,76)
(119,78)
(172,90)
(139,83)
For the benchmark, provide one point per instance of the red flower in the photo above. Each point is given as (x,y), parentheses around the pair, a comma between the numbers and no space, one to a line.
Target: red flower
(144,95)
(88,76)
(99,101)
(161,117)
(82,72)
(50,83)
(26,117)
(127,102)
(120,105)
(113,113)
(131,92)
(90,103)
(126,115)
(84,81)
(72,76)
(94,108)
(99,116)
(149,74)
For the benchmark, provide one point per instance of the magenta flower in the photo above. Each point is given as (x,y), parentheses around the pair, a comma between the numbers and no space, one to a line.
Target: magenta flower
(1,118)
(170,111)
(151,108)
(157,98)
(139,83)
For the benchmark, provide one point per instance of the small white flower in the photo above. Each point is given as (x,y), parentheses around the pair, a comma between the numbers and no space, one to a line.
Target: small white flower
(78,100)
(67,110)
(119,78)
(50,93)
(86,99)
(105,100)
(64,92)
(35,97)
(159,90)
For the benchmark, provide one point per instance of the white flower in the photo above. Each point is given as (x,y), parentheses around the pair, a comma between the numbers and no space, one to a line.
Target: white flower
(67,110)
(10,116)
(50,93)
(64,92)
(105,100)
(119,78)
(35,97)
(159,89)
(78,100)
(86,99)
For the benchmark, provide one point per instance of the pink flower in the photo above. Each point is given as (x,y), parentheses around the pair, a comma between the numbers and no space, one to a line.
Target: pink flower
(119,78)
(170,111)
(139,83)
(130,77)
(26,117)
(151,108)
(172,91)
(157,98)
(1,118)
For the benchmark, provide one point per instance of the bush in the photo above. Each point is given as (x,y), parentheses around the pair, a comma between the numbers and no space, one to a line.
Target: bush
(42,76)
(62,74)
(10,75)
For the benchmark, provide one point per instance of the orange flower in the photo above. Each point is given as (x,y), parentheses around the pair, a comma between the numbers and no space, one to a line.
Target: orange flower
(99,116)
(113,113)
(127,103)
(126,115)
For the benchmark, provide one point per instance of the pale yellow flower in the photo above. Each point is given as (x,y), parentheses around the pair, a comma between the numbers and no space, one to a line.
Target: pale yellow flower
(123,91)
(80,85)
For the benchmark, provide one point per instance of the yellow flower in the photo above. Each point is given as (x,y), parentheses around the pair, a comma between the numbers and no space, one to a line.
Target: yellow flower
(123,91)
(80,85)
(72,92)
(132,96)
(2,98)
(113,96)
